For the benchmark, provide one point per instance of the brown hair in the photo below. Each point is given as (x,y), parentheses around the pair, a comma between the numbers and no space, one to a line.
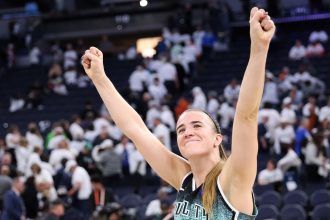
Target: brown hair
(210,183)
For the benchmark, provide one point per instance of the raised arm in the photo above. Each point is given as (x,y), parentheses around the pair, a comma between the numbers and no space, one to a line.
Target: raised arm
(240,170)
(167,165)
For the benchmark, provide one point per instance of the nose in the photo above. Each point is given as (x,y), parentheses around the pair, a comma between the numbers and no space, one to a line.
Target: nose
(188,133)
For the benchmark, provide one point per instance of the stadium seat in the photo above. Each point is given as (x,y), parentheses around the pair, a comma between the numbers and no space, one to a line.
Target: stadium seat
(269,212)
(319,197)
(130,201)
(271,198)
(321,212)
(293,212)
(296,197)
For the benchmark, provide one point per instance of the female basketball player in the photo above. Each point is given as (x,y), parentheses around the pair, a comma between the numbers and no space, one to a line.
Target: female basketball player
(210,185)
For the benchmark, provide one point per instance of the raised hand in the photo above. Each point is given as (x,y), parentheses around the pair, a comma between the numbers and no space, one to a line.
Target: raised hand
(92,62)
(262,28)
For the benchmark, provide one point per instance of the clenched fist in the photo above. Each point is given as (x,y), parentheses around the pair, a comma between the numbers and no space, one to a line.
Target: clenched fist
(92,62)
(262,28)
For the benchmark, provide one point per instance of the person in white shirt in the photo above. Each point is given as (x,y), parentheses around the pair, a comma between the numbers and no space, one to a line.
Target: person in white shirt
(13,136)
(315,158)
(34,56)
(270,175)
(310,108)
(81,186)
(213,104)
(162,132)
(139,79)
(152,113)
(61,152)
(167,75)
(324,115)
(231,91)
(44,182)
(167,117)
(288,111)
(271,91)
(290,160)
(154,206)
(70,57)
(273,119)
(301,75)
(33,136)
(227,113)
(199,99)
(22,153)
(320,35)
(70,76)
(157,90)
(298,51)
(284,136)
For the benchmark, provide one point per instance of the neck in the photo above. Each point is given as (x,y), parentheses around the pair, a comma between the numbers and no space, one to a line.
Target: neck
(200,168)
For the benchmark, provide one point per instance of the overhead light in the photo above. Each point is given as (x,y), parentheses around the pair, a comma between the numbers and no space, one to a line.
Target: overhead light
(143,3)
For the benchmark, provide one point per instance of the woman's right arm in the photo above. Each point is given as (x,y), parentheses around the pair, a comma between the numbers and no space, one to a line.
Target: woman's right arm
(166,164)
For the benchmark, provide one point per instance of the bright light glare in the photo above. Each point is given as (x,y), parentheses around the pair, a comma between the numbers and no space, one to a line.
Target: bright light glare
(143,3)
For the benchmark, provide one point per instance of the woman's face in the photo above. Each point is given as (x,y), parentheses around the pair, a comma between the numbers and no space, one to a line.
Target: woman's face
(196,135)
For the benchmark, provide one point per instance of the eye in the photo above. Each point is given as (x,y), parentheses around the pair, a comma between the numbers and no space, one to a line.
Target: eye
(197,126)
(181,130)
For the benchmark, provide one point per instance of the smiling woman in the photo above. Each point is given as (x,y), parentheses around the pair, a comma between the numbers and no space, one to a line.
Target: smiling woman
(209,185)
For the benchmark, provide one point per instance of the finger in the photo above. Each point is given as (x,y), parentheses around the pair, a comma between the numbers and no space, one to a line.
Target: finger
(90,55)
(253,11)
(97,51)
(270,25)
(258,16)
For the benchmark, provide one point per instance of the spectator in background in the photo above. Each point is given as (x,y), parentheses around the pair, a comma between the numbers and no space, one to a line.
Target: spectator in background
(154,206)
(131,53)
(55,80)
(70,76)
(34,136)
(14,208)
(271,91)
(22,153)
(288,111)
(315,49)
(44,182)
(157,90)
(167,117)
(10,55)
(324,116)
(298,51)
(109,162)
(13,136)
(199,99)
(139,80)
(168,75)
(105,44)
(315,157)
(35,56)
(302,135)
(81,187)
(162,132)
(101,195)
(284,136)
(5,183)
(34,96)
(231,91)
(17,102)
(55,212)
(262,135)
(208,41)
(271,175)
(319,35)
(70,57)
(212,104)
(124,149)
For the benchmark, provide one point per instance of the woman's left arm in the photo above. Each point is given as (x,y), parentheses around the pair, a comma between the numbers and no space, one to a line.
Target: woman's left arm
(240,170)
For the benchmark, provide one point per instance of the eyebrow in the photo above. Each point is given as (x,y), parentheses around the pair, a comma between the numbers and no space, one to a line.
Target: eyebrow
(193,122)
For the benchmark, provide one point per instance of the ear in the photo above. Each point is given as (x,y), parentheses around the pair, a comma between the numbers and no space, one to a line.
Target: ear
(218,140)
